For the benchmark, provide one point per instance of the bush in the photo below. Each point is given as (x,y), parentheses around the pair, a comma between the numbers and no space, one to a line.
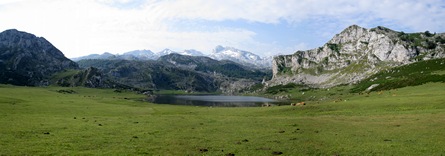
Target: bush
(428,34)
(334,47)
(440,40)
(281,88)
(430,44)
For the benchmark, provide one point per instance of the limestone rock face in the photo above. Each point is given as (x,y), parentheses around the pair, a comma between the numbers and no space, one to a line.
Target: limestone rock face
(29,60)
(354,54)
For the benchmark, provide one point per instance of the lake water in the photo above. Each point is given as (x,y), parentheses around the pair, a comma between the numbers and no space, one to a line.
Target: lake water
(213,100)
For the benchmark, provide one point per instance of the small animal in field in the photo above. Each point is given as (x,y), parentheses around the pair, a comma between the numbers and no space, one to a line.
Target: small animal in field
(338,100)
(266,105)
(298,104)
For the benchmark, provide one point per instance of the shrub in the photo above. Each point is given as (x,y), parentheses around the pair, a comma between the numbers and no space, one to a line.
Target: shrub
(281,88)
(428,34)
(334,47)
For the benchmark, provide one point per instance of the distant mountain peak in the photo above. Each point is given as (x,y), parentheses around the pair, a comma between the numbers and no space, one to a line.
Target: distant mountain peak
(239,56)
(166,51)
(219,53)
(143,51)
(192,52)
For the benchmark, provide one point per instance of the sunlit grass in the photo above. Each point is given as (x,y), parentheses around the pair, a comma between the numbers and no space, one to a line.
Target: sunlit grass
(42,121)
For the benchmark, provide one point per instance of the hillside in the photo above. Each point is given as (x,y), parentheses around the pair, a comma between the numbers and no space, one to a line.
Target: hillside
(207,65)
(355,54)
(414,74)
(29,60)
(179,72)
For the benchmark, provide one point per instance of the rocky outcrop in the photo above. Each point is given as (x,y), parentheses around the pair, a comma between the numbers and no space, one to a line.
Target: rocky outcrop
(29,60)
(354,54)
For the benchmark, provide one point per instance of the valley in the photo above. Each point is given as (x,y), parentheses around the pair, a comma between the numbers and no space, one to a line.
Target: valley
(365,92)
(42,121)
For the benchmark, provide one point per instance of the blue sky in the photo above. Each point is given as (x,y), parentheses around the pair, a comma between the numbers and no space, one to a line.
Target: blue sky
(264,27)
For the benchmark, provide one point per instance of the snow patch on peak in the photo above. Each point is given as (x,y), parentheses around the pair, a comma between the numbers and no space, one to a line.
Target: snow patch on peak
(191,52)
(165,52)
(239,56)
(218,53)
(139,53)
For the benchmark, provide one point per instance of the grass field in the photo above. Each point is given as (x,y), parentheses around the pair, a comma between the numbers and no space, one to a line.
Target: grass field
(47,121)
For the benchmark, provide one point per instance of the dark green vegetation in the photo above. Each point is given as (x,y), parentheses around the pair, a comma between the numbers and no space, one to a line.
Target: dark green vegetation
(177,72)
(283,88)
(334,47)
(425,40)
(208,65)
(409,75)
(81,121)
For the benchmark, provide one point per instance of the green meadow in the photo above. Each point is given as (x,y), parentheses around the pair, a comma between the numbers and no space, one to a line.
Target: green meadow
(84,121)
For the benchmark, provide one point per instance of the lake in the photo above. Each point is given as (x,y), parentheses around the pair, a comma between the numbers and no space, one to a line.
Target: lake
(213,100)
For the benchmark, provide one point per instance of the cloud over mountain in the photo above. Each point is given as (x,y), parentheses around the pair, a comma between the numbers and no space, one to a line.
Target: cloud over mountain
(267,27)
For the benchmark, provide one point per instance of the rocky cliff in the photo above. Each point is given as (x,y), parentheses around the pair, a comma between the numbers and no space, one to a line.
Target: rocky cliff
(29,60)
(355,54)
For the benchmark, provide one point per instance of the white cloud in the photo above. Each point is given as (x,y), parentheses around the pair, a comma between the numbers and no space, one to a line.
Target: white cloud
(80,27)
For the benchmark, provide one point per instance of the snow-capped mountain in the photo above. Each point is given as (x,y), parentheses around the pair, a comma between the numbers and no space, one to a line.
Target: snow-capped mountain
(139,55)
(240,56)
(191,52)
(230,53)
(165,52)
(219,53)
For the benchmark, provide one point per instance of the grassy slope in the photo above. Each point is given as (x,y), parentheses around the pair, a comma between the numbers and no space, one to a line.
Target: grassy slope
(408,75)
(407,121)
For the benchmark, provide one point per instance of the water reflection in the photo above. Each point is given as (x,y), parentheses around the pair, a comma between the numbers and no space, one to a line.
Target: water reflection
(213,100)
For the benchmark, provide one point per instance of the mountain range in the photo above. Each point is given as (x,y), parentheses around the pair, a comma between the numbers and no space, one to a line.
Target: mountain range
(179,72)
(26,59)
(219,53)
(353,56)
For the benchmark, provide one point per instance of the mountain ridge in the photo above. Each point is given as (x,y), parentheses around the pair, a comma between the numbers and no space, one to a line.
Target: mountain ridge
(354,54)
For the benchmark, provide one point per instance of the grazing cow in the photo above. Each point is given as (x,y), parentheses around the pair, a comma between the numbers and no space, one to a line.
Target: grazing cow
(298,104)
(338,100)
(266,105)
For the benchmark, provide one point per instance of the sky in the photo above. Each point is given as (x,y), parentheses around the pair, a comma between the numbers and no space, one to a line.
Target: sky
(264,27)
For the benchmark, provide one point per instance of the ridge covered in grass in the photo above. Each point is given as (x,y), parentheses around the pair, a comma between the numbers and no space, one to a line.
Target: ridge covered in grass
(408,75)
